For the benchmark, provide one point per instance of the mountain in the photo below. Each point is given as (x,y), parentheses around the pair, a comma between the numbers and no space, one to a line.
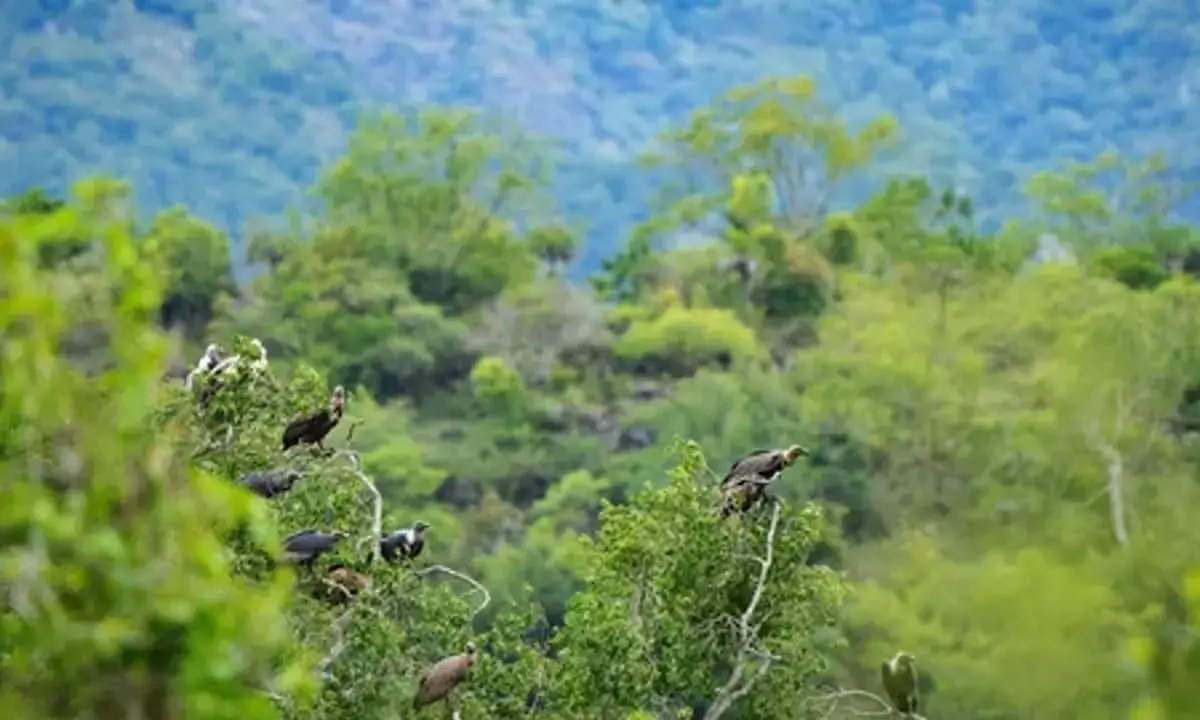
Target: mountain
(230,106)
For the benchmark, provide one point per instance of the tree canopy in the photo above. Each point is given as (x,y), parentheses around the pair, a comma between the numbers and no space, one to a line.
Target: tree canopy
(1002,430)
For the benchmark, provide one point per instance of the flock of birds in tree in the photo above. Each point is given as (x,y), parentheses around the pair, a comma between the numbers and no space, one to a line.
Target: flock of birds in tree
(743,488)
(304,547)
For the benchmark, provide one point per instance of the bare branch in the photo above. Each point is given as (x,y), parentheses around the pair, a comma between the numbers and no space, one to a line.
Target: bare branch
(735,688)
(355,461)
(834,698)
(354,423)
(487,597)
(338,628)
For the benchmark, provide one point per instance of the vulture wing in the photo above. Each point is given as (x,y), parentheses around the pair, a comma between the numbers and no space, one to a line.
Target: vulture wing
(295,431)
(764,463)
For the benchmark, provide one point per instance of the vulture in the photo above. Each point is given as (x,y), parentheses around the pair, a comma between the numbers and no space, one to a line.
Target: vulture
(440,679)
(269,483)
(213,354)
(344,583)
(745,485)
(406,543)
(312,429)
(305,546)
(900,682)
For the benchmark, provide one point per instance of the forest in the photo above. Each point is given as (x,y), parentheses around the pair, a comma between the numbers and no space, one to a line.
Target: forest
(1002,432)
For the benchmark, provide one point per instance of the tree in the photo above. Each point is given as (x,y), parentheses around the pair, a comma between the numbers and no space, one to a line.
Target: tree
(119,599)
(684,609)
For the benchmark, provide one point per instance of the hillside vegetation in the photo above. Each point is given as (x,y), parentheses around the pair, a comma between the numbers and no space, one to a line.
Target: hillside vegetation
(1003,433)
(231,107)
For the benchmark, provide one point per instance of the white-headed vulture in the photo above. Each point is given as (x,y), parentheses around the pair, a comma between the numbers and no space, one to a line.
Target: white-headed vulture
(312,429)
(440,679)
(745,485)
(404,544)
(900,682)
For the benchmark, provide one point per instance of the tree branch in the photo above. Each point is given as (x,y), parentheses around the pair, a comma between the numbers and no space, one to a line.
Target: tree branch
(338,628)
(487,597)
(838,695)
(355,462)
(735,689)
(1115,470)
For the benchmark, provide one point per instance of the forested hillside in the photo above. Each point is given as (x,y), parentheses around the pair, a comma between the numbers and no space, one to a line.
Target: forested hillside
(230,107)
(1001,436)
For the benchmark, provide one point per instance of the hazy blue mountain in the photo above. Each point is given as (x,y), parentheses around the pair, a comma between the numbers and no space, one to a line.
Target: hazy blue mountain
(229,106)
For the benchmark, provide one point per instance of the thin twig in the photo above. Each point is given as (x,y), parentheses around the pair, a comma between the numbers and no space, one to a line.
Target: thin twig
(487,597)
(734,688)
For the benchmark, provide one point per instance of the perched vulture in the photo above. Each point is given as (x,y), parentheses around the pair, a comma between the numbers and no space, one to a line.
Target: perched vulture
(270,483)
(745,485)
(406,543)
(439,680)
(344,583)
(306,546)
(312,429)
(213,354)
(900,682)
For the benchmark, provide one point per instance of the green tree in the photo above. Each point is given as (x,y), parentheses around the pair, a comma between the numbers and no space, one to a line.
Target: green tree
(119,600)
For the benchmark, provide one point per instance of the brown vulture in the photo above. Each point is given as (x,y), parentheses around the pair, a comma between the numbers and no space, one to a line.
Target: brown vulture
(305,546)
(440,679)
(312,429)
(269,483)
(745,485)
(404,544)
(900,682)
(343,583)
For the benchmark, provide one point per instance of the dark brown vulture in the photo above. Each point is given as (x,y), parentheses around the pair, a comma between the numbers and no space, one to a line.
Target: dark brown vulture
(305,546)
(312,429)
(343,584)
(900,682)
(439,680)
(269,483)
(404,544)
(745,485)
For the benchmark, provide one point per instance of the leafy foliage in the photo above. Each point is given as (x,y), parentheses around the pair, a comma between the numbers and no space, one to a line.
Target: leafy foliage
(1002,424)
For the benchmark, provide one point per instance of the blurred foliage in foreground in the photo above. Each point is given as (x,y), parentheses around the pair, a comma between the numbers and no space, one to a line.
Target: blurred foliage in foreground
(1004,433)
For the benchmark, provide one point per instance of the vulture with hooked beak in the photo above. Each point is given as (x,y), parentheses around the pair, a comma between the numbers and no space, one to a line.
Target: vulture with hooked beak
(269,483)
(900,682)
(305,546)
(404,544)
(312,429)
(745,485)
(440,680)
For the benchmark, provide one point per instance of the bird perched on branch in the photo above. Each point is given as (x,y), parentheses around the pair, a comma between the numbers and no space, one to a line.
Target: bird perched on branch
(305,546)
(404,544)
(269,483)
(745,485)
(900,682)
(311,429)
(213,355)
(439,680)
(344,583)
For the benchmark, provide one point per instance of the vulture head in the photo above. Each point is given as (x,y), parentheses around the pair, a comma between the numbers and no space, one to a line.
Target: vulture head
(793,453)
(905,660)
(420,526)
(290,478)
(470,653)
(338,402)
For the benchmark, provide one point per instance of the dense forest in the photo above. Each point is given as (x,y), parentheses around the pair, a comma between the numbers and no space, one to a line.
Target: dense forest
(230,106)
(1001,431)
